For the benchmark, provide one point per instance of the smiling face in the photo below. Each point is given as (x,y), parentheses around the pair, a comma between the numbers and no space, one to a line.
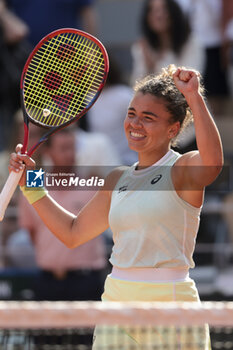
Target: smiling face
(148,127)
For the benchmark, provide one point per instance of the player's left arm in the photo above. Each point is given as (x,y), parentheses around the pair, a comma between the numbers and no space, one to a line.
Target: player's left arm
(204,165)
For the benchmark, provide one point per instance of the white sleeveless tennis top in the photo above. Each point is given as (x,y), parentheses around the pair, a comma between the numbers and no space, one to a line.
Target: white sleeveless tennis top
(152,226)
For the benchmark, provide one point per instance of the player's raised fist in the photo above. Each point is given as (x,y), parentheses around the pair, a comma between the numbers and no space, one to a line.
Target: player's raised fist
(187,81)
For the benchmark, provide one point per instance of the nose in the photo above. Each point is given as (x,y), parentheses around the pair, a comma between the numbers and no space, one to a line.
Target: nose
(136,123)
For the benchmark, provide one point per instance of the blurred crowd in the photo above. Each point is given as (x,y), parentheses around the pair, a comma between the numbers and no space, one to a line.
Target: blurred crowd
(190,33)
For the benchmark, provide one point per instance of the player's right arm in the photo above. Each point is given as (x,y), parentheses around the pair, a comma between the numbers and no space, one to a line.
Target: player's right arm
(72,230)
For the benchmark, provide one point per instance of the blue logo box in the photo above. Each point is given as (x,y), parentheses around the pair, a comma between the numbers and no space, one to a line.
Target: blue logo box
(35,178)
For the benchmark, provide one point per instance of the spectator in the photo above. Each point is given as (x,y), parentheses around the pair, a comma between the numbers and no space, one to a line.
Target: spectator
(65,274)
(95,149)
(210,19)
(108,114)
(43,16)
(14,51)
(13,28)
(166,39)
(19,249)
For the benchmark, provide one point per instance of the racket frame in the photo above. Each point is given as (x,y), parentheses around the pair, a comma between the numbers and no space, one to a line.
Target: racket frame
(53,129)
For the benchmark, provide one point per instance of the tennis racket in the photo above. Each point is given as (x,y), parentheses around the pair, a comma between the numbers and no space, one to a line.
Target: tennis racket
(60,82)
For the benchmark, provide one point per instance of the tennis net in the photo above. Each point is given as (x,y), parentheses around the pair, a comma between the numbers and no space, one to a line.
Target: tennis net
(120,326)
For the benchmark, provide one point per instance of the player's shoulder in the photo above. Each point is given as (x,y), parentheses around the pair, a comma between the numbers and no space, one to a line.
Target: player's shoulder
(114,176)
(185,158)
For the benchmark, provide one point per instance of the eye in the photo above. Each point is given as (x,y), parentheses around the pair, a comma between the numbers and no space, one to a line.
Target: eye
(148,118)
(130,115)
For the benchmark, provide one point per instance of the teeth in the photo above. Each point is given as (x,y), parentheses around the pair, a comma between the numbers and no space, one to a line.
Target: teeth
(135,134)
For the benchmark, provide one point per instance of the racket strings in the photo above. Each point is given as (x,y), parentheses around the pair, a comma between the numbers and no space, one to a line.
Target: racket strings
(42,64)
(35,84)
(73,68)
(91,64)
(68,56)
(84,88)
(96,78)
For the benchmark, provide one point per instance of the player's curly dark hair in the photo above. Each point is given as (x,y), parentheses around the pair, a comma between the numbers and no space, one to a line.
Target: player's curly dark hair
(163,86)
(179,29)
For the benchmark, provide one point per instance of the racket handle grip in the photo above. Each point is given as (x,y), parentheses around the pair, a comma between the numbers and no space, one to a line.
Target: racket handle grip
(8,191)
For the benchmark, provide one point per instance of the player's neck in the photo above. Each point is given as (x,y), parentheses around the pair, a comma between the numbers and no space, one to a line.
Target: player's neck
(147,160)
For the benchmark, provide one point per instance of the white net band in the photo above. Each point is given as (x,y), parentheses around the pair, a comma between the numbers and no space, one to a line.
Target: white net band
(88,314)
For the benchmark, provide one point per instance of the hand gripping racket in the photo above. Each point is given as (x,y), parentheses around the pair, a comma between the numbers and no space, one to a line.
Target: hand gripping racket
(61,80)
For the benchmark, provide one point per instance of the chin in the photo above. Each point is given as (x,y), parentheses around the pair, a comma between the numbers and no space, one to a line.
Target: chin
(136,148)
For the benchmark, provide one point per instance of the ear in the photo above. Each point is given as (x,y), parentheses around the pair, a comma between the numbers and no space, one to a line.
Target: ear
(173,130)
